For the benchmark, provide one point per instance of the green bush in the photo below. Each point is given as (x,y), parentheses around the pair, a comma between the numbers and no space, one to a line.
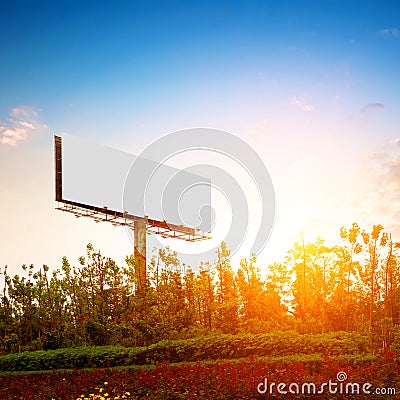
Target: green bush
(10,343)
(97,333)
(52,341)
(202,348)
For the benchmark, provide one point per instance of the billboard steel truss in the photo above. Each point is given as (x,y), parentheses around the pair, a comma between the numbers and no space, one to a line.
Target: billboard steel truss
(162,228)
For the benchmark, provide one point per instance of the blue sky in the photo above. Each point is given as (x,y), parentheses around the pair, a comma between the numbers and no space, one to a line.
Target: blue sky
(313,86)
(80,61)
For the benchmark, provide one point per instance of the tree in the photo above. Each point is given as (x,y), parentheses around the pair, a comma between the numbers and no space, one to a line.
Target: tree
(227,317)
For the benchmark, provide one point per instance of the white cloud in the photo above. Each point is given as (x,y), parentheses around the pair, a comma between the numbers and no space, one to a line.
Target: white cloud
(390,32)
(26,124)
(26,112)
(302,105)
(19,126)
(12,136)
(259,131)
(372,107)
(394,143)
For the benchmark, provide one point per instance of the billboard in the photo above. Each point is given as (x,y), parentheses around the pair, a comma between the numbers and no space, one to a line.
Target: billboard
(100,176)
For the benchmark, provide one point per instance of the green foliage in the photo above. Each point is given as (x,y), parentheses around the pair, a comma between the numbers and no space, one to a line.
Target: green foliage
(52,341)
(315,289)
(11,342)
(396,342)
(201,348)
(97,333)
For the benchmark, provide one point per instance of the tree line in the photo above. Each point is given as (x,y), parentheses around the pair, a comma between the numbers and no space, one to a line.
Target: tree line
(354,286)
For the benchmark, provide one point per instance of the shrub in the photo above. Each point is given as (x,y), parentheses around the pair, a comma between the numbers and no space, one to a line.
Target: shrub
(201,348)
(97,333)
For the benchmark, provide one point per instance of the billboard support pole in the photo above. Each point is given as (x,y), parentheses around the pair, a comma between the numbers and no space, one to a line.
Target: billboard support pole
(140,227)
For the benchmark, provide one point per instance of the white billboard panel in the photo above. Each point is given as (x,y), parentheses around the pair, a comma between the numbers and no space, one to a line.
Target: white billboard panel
(99,176)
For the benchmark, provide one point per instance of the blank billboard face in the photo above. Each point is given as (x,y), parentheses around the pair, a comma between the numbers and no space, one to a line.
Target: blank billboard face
(99,176)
